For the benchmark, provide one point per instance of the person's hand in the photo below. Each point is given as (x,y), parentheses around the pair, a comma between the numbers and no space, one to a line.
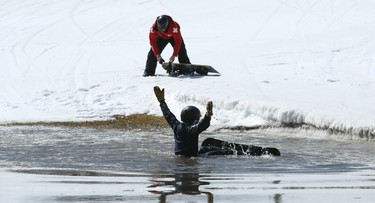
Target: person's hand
(159,93)
(159,59)
(169,68)
(172,59)
(209,109)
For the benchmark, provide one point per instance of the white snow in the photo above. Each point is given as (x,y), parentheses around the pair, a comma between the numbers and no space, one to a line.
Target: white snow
(281,61)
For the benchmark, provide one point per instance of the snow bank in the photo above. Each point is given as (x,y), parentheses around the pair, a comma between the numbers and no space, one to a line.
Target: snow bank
(295,63)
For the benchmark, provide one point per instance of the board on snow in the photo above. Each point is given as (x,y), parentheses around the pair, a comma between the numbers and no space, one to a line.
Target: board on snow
(228,148)
(176,69)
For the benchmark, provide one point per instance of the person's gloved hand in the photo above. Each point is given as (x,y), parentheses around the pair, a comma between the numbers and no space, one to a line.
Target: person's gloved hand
(169,68)
(159,59)
(159,93)
(209,109)
(172,59)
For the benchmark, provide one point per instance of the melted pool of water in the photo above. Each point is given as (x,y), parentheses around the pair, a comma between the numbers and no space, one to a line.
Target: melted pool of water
(53,164)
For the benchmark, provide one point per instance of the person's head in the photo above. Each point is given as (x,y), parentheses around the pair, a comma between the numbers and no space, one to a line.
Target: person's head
(163,23)
(190,115)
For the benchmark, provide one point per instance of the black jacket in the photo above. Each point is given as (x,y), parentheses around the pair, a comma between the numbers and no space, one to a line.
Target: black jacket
(185,135)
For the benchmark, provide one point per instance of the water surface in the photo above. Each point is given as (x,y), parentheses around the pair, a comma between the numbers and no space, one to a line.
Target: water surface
(53,164)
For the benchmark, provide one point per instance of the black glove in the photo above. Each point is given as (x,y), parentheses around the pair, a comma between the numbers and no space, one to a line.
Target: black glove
(159,59)
(169,68)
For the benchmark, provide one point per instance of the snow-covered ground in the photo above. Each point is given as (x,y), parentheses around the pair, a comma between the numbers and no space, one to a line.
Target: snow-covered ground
(281,61)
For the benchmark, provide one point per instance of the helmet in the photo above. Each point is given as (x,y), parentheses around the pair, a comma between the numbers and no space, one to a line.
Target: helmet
(162,23)
(190,114)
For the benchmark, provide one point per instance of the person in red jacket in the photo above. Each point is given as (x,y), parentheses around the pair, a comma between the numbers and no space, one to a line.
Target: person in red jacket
(165,30)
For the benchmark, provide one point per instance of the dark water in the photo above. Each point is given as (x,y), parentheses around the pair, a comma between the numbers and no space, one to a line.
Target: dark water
(143,165)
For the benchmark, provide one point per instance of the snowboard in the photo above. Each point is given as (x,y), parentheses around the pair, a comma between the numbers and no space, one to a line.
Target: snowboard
(175,69)
(212,146)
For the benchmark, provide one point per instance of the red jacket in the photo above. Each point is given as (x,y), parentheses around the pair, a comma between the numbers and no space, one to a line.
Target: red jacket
(173,32)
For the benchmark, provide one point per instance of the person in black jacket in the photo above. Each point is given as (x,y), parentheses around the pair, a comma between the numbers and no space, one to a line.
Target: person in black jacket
(186,132)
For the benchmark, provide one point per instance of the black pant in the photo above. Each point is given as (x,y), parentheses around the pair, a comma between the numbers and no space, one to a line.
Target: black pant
(162,43)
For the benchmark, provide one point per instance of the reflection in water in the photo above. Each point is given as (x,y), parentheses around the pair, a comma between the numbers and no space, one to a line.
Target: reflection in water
(186,184)
(182,183)
(187,179)
(277,198)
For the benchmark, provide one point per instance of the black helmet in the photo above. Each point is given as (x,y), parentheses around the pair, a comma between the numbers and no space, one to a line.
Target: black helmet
(190,114)
(163,23)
